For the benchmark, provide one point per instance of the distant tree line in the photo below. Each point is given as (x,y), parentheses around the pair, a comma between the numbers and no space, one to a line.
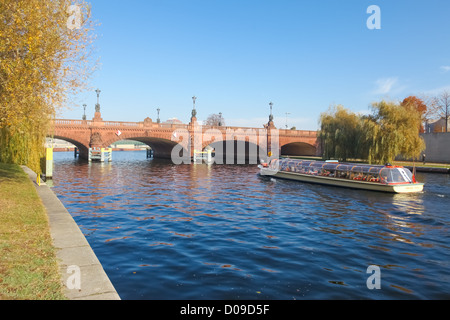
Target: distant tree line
(214,119)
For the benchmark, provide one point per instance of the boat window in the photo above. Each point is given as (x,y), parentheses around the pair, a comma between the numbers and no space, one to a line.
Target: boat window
(330,166)
(274,164)
(299,167)
(396,175)
(342,174)
(375,169)
(366,169)
(317,164)
(344,167)
(408,174)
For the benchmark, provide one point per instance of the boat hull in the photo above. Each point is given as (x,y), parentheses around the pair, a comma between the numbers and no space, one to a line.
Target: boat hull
(330,181)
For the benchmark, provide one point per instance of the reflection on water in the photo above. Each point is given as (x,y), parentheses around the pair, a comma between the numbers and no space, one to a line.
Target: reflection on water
(165,231)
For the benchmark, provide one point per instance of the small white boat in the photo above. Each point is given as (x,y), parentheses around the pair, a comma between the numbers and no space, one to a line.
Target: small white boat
(386,178)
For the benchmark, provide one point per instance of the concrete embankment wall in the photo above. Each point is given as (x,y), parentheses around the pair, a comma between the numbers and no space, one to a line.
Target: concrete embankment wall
(437,147)
(82,274)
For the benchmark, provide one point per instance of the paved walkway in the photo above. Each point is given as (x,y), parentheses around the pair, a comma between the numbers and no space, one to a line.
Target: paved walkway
(73,252)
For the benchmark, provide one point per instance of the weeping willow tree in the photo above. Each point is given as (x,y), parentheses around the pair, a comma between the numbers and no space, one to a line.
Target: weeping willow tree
(45,59)
(339,133)
(393,130)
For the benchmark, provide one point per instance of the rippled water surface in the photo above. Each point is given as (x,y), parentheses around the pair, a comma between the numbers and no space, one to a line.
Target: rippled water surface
(165,231)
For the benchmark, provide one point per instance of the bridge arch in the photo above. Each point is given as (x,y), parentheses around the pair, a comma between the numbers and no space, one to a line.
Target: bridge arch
(298,149)
(162,148)
(83,147)
(236,151)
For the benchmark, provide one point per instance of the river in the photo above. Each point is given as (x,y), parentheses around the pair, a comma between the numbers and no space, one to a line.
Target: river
(165,231)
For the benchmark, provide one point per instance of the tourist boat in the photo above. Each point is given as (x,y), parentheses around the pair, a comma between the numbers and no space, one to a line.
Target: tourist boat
(385,178)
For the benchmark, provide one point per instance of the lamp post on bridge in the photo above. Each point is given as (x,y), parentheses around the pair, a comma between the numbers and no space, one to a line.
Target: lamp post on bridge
(270,124)
(84,114)
(97,106)
(97,115)
(194,112)
(287,119)
(193,100)
(158,120)
(271,115)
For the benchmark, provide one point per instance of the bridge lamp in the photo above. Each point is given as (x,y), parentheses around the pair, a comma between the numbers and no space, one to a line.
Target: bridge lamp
(287,119)
(220,119)
(194,112)
(158,121)
(84,114)
(271,115)
(97,106)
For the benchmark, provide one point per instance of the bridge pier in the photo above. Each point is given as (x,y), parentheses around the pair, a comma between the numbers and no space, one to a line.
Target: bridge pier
(47,163)
(100,154)
(82,153)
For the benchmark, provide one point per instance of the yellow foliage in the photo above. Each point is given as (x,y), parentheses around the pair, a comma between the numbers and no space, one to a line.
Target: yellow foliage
(391,130)
(37,48)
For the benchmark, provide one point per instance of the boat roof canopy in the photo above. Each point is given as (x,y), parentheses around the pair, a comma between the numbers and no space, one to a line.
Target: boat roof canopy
(354,167)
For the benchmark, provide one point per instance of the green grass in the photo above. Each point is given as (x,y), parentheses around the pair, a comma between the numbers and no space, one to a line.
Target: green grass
(421,164)
(28,266)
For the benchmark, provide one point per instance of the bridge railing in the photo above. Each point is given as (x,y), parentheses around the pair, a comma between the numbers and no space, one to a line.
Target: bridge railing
(123,124)
(298,133)
(284,132)
(69,122)
(173,125)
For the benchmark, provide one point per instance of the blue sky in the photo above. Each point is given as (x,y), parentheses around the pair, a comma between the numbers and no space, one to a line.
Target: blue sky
(237,56)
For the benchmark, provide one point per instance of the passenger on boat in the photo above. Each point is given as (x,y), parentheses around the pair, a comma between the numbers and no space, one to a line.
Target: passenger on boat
(358,177)
(383,178)
(343,175)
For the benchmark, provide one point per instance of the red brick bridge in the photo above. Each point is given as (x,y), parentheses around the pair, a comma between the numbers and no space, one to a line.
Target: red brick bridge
(163,137)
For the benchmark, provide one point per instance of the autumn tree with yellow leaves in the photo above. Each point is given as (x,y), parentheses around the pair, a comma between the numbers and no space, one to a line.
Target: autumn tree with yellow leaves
(391,130)
(45,60)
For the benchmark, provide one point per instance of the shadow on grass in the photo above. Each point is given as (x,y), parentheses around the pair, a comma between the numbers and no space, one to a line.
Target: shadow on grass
(10,172)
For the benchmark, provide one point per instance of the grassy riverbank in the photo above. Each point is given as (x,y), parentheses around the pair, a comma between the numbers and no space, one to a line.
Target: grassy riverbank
(28,266)
(421,164)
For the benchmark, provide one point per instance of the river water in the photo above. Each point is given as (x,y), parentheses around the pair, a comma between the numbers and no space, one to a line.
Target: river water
(165,231)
